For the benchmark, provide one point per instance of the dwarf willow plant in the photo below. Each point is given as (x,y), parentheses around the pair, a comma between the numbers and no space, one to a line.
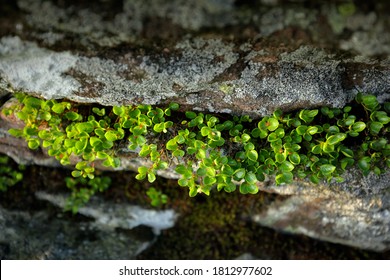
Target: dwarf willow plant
(210,151)
(9,175)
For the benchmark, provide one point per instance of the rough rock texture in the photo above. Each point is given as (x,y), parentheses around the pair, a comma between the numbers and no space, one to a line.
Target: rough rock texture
(129,52)
(102,230)
(237,57)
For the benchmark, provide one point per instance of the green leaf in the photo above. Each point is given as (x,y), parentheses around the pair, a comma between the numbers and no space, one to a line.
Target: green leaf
(245,138)
(193,191)
(205,131)
(72,116)
(33,144)
(118,110)
(252,155)
(284,178)
(375,127)
(172,145)
(378,144)
(301,129)
(358,126)
(77,173)
(278,113)
(151,177)
(239,174)
(272,137)
(44,135)
(316,149)
(45,116)
(327,148)
(94,141)
(327,169)
(382,117)
(272,124)
(370,102)
(246,188)
(30,131)
(314,179)
(347,152)
(280,157)
(345,162)
(174,106)
(364,163)
(294,158)
(286,166)
(181,169)
(182,182)
(209,180)
(201,154)
(99,112)
(81,144)
(250,178)
(312,130)
(58,108)
(32,102)
(307,115)
(334,139)
(87,127)
(15,132)
(307,137)
(191,115)
(178,153)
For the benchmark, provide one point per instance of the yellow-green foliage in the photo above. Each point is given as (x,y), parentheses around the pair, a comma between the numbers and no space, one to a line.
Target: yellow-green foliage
(315,144)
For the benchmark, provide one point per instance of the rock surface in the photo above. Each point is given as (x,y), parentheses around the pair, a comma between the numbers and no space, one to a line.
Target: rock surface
(272,57)
(226,57)
(102,230)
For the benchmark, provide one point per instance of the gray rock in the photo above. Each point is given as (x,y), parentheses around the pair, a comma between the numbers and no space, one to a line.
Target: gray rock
(114,215)
(116,60)
(40,235)
(101,230)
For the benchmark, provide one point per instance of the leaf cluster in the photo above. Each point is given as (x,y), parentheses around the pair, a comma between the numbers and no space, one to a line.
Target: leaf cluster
(209,151)
(9,175)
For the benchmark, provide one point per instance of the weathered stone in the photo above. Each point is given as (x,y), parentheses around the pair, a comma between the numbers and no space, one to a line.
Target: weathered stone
(103,230)
(216,56)
(241,74)
(355,212)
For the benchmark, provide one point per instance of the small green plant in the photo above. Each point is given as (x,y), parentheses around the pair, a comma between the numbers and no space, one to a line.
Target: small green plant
(83,189)
(9,175)
(210,152)
(157,197)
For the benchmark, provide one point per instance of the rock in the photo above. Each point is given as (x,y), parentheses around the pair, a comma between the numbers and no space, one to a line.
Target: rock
(355,212)
(103,231)
(115,215)
(230,57)
(116,62)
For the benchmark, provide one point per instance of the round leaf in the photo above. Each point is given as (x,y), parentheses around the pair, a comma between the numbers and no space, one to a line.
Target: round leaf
(334,139)
(358,126)
(239,173)
(294,158)
(252,155)
(375,127)
(284,178)
(286,166)
(246,188)
(250,177)
(327,169)
(272,124)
